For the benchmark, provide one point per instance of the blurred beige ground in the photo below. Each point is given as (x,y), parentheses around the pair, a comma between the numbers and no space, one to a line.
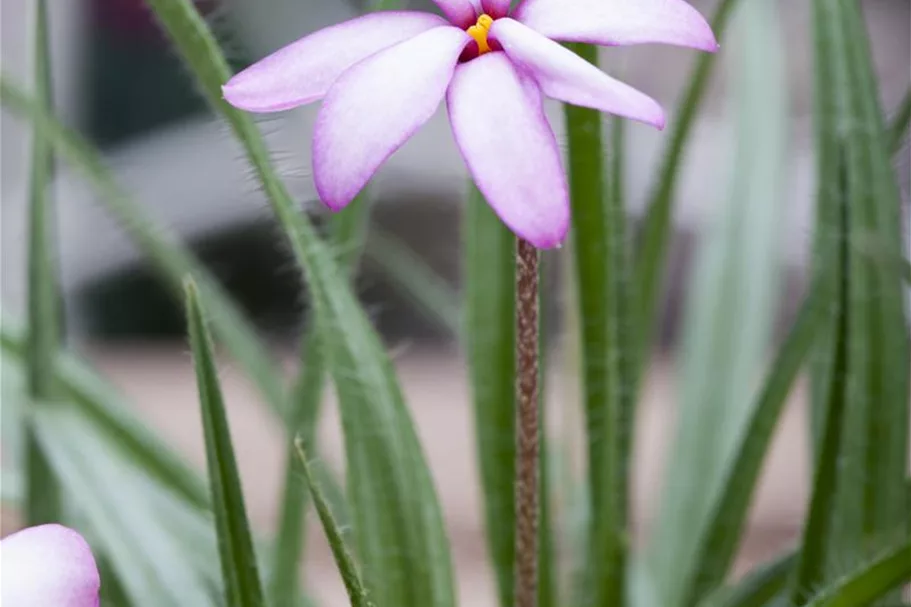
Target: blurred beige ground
(160,382)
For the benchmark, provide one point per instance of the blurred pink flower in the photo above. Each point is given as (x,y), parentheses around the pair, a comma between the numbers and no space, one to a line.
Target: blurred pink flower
(382,76)
(48,565)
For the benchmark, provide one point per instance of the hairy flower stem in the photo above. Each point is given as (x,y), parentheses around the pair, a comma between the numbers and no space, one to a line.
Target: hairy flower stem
(527,426)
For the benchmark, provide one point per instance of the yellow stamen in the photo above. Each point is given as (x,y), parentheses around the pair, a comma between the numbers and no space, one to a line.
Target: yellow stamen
(479,32)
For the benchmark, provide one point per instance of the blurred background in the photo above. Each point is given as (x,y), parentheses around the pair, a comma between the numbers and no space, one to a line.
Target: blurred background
(119,84)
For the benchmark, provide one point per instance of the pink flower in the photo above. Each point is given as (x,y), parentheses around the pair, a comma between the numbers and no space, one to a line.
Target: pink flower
(383,75)
(47,565)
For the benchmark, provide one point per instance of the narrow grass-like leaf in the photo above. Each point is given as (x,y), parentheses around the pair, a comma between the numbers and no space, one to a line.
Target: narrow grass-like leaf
(42,493)
(86,391)
(828,221)
(169,258)
(398,523)
(416,280)
(899,267)
(871,581)
(114,497)
(898,128)
(490,319)
(853,138)
(348,232)
(238,560)
(729,322)
(816,542)
(719,541)
(548,561)
(113,593)
(885,455)
(118,461)
(656,229)
(609,526)
(723,430)
(11,488)
(160,480)
(305,401)
(349,235)
(399,530)
(599,249)
(589,247)
(343,559)
(757,588)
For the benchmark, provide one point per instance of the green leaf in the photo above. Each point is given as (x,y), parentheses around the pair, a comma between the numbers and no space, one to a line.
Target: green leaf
(306,398)
(170,259)
(729,322)
(83,389)
(112,446)
(343,559)
(899,267)
(490,332)
(656,229)
(112,591)
(238,561)
(400,534)
(599,249)
(11,488)
(548,582)
(398,523)
(348,231)
(589,247)
(757,588)
(871,581)
(416,280)
(858,183)
(719,541)
(115,498)
(816,543)
(899,126)
(877,314)
(42,493)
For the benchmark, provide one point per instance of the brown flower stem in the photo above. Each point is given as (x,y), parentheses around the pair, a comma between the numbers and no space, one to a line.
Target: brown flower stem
(527,426)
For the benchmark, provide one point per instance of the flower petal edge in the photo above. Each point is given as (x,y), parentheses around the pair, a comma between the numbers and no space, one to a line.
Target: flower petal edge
(304,70)
(565,76)
(619,22)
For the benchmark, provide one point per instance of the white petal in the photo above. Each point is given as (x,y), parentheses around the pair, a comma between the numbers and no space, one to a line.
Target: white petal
(376,106)
(304,70)
(618,22)
(563,75)
(499,125)
(46,566)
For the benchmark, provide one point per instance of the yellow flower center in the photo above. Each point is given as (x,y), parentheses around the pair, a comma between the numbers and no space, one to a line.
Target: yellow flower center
(479,32)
